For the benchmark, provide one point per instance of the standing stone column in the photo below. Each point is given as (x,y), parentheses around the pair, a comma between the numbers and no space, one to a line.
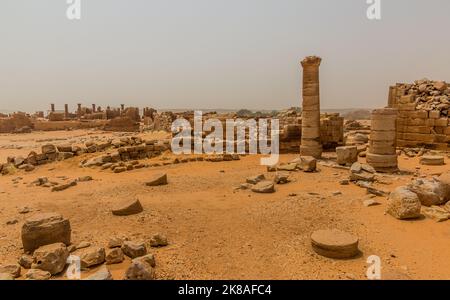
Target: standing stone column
(311,144)
(382,154)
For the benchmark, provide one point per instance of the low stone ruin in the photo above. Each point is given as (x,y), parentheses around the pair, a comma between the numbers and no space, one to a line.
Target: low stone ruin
(423,114)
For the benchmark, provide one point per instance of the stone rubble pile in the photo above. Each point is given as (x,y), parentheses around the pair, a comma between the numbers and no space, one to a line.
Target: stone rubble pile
(47,244)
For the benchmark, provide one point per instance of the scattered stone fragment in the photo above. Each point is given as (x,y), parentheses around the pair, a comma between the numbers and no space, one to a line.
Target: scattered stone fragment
(84,178)
(429,160)
(27,167)
(282,177)
(255,179)
(370,202)
(102,274)
(11,269)
(141,268)
(24,210)
(344,182)
(377,192)
(115,242)
(361,172)
(12,222)
(290,167)
(92,256)
(335,243)
(308,164)
(128,208)
(44,229)
(264,187)
(36,274)
(403,204)
(134,249)
(51,258)
(114,256)
(158,240)
(64,186)
(120,169)
(157,180)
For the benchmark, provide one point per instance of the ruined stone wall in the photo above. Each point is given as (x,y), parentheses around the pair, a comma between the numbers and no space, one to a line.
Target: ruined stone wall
(424,110)
(15,123)
(44,125)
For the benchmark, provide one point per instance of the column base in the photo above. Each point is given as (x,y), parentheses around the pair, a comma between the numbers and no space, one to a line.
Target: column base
(315,151)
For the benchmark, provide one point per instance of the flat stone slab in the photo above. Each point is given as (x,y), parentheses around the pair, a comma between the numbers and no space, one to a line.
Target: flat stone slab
(264,187)
(128,208)
(428,160)
(157,180)
(334,243)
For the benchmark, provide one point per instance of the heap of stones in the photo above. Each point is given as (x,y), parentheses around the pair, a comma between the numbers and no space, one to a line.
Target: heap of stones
(127,149)
(429,95)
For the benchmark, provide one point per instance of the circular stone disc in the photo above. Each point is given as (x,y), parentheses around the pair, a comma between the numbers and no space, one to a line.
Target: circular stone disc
(334,243)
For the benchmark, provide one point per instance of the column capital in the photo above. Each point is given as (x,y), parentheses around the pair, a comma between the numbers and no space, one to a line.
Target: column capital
(311,61)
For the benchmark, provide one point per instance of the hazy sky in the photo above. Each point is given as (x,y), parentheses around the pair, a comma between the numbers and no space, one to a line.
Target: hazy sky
(215,53)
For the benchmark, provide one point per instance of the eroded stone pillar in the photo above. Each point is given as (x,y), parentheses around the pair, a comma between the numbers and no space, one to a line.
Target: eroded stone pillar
(52,107)
(66,111)
(311,144)
(382,154)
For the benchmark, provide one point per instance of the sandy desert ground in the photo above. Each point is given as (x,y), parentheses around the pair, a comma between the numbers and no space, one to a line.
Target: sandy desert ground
(216,231)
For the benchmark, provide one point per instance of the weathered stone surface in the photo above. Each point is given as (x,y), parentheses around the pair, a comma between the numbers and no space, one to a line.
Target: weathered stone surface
(436,213)
(255,179)
(6,276)
(36,274)
(102,274)
(26,261)
(158,240)
(134,249)
(141,268)
(128,208)
(114,256)
(51,258)
(92,256)
(403,204)
(347,155)
(157,180)
(44,229)
(335,243)
(264,187)
(429,160)
(11,269)
(430,192)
